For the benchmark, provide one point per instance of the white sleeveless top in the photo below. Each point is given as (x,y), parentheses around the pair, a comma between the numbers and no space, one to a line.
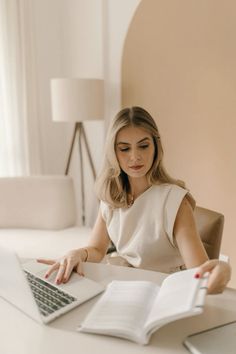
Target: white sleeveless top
(143,233)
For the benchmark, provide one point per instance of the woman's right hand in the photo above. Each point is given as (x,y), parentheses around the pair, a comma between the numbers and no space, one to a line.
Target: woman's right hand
(64,266)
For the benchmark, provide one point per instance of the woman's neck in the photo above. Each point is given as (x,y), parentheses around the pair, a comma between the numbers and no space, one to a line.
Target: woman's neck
(138,186)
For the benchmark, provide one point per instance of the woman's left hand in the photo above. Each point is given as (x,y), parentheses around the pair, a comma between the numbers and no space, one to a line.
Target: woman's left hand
(220,273)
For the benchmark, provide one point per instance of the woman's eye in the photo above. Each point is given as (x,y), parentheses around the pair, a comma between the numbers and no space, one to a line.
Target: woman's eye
(124,149)
(144,146)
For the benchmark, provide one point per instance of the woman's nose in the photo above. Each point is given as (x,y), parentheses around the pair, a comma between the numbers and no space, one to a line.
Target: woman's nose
(134,155)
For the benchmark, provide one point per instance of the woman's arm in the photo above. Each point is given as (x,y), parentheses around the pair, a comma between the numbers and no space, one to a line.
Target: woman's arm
(94,252)
(187,237)
(99,240)
(193,252)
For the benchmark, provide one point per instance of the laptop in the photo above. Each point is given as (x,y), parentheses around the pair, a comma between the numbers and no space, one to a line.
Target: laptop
(217,340)
(24,286)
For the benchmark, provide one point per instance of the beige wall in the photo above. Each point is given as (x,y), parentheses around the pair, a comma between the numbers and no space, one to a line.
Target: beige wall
(68,43)
(68,40)
(179,63)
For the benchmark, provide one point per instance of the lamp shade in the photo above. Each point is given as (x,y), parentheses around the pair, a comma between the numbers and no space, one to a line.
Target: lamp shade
(77,100)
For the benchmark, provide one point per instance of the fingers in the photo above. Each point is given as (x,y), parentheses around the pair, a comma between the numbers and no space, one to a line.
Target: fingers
(218,280)
(55,265)
(215,285)
(219,275)
(68,270)
(65,270)
(208,266)
(60,268)
(61,271)
(52,262)
(46,261)
(64,266)
(52,269)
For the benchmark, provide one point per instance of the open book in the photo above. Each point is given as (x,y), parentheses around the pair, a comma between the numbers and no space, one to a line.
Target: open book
(135,309)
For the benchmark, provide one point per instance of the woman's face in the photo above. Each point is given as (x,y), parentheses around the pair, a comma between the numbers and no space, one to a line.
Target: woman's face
(135,151)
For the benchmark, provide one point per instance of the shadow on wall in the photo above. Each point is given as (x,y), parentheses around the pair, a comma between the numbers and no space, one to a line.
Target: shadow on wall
(179,63)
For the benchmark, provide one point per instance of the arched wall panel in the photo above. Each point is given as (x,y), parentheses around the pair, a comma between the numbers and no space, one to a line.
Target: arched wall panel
(179,63)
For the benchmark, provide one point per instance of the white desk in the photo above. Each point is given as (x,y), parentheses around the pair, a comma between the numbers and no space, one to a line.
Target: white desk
(21,335)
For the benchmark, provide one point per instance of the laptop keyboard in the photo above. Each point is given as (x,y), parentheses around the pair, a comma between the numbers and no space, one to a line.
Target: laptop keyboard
(48,297)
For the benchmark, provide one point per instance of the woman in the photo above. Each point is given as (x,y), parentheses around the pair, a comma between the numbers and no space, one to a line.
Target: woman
(145,213)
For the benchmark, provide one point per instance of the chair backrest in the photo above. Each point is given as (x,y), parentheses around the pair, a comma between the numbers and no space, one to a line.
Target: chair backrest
(210,226)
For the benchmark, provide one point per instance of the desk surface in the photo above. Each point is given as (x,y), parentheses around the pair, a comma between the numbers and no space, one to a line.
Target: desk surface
(21,335)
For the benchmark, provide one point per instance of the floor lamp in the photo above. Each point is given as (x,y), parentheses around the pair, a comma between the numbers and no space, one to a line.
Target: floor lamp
(78,100)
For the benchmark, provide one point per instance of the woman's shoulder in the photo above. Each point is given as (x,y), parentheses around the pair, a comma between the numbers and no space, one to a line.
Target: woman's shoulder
(167,187)
(175,191)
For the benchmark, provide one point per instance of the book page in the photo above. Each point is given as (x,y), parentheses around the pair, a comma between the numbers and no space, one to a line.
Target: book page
(123,308)
(176,296)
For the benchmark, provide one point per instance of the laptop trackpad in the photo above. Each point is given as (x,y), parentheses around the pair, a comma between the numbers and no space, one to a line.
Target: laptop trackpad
(78,286)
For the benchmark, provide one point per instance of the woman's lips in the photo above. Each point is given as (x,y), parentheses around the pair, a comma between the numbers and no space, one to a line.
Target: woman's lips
(136,168)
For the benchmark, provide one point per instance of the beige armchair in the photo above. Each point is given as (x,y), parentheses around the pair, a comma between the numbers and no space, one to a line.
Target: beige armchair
(210,226)
(38,216)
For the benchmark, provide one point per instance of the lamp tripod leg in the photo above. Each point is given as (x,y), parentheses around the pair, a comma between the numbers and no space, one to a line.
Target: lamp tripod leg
(88,151)
(71,148)
(80,130)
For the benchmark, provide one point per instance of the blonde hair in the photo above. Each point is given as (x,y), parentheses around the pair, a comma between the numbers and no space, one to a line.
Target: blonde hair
(112,184)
